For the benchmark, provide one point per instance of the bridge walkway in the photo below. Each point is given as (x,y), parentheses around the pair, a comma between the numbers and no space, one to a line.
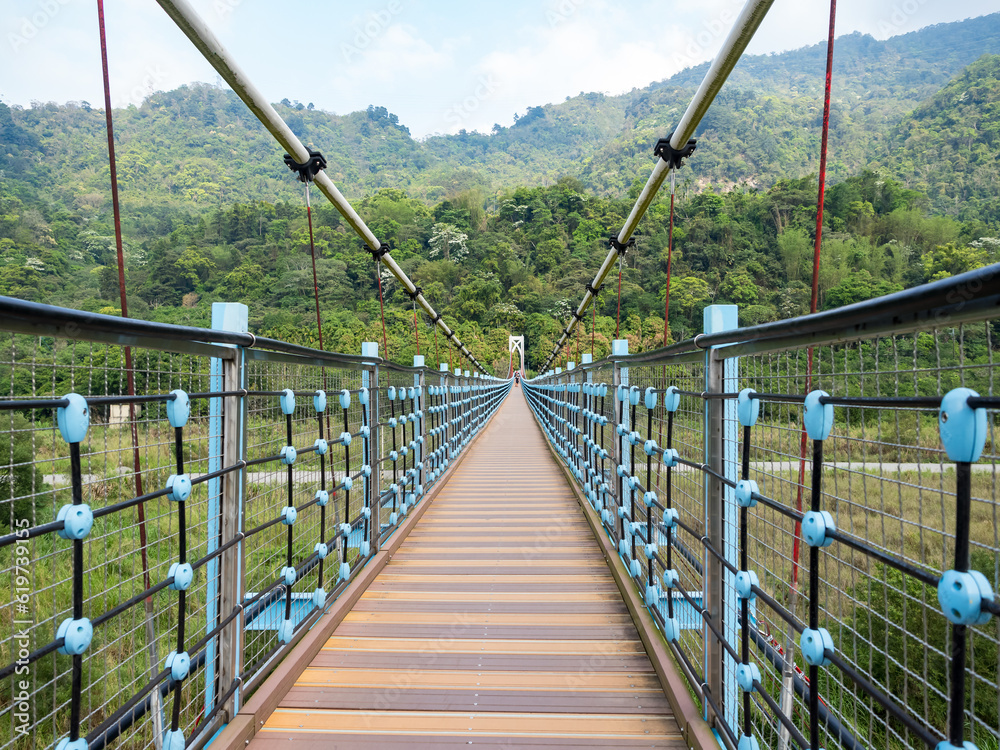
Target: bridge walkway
(496,623)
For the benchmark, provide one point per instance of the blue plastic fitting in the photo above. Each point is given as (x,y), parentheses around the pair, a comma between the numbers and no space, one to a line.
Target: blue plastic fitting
(288,574)
(816,527)
(345,570)
(321,550)
(671,629)
(650,447)
(321,446)
(287,401)
(288,455)
(288,515)
(345,438)
(670,579)
(393,456)
(814,645)
(745,491)
(364,548)
(652,595)
(961,597)
(747,407)
(81,744)
(670,518)
(179,408)
(183,575)
(77,520)
(178,664)
(748,742)
(818,417)
(963,429)
(670,456)
(672,399)
(179,486)
(635,569)
(745,581)
(650,551)
(390,393)
(366,470)
(393,422)
(74,418)
(621,470)
(285,631)
(77,635)
(174,740)
(620,429)
(634,437)
(319,598)
(363,397)
(322,498)
(346,529)
(634,394)
(650,400)
(348,483)
(365,431)
(746,675)
(319,401)
(945,745)
(401,394)
(345,399)
(649,498)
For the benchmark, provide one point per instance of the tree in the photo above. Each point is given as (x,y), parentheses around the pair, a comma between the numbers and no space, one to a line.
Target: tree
(448,241)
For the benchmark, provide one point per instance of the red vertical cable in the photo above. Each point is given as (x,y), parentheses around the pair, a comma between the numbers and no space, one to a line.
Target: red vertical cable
(670,255)
(618,318)
(593,324)
(416,331)
(312,252)
(437,354)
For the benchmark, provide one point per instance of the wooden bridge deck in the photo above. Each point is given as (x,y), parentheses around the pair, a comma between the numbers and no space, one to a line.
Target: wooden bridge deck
(496,624)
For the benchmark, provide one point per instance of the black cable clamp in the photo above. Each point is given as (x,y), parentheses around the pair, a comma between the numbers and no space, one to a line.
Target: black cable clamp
(417,291)
(310,169)
(673,156)
(579,318)
(594,292)
(377,254)
(621,248)
(436,318)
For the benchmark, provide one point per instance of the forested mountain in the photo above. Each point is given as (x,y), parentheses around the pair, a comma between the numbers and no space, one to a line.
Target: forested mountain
(503,231)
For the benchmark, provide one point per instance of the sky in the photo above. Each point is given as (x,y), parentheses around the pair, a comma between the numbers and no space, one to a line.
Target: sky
(441,65)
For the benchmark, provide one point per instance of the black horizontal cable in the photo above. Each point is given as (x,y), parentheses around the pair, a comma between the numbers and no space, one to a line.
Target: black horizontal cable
(721,723)
(100,620)
(780,716)
(32,657)
(778,609)
(918,402)
(218,551)
(911,570)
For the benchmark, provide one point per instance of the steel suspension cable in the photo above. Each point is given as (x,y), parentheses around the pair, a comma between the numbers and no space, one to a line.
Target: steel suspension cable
(129,371)
(312,253)
(618,316)
(416,331)
(381,304)
(670,255)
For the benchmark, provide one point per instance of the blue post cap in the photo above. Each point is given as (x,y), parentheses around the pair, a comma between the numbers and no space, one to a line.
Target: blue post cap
(418,360)
(74,418)
(319,597)
(285,631)
(401,394)
(443,367)
(390,393)
(961,596)
(814,644)
(174,739)
(287,401)
(179,665)
(963,429)
(818,417)
(178,408)
(77,520)
(746,675)
(76,635)
(289,514)
(745,491)
(650,399)
(321,550)
(672,399)
(288,575)
(747,407)
(816,527)
(183,575)
(319,401)
(288,455)
(652,595)
(179,486)
(634,395)
(345,570)
(369,349)
(345,399)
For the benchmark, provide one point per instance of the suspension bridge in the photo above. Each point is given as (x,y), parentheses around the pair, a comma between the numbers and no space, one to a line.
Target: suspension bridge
(781,536)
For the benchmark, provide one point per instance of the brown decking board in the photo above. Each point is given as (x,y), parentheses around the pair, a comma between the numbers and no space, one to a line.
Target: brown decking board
(496,624)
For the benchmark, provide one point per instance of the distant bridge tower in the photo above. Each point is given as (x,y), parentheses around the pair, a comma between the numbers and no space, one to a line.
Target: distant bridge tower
(516,344)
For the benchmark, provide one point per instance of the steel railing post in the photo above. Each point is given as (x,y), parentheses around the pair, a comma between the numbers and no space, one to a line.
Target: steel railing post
(619,347)
(419,382)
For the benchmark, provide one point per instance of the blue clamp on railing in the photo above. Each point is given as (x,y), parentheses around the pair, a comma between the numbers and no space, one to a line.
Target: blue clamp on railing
(671,629)
(963,429)
(670,518)
(319,401)
(285,631)
(818,418)
(961,597)
(77,520)
(179,487)
(746,675)
(345,438)
(672,399)
(745,491)
(671,579)
(621,470)
(74,418)
(403,419)
(650,447)
(650,550)
(745,582)
(390,393)
(748,742)
(288,515)
(179,665)
(321,550)
(183,575)
(174,740)
(363,397)
(322,498)
(319,598)
(634,437)
(412,392)
(348,483)
(76,635)
(652,595)
(816,527)
(670,456)
(634,395)
(81,744)
(287,401)
(288,455)
(366,470)
(649,498)
(321,446)
(747,407)
(814,644)
(289,575)
(178,408)
(650,398)
(401,394)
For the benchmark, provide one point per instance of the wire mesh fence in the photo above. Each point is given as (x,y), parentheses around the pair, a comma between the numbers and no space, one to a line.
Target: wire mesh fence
(810,512)
(164,550)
